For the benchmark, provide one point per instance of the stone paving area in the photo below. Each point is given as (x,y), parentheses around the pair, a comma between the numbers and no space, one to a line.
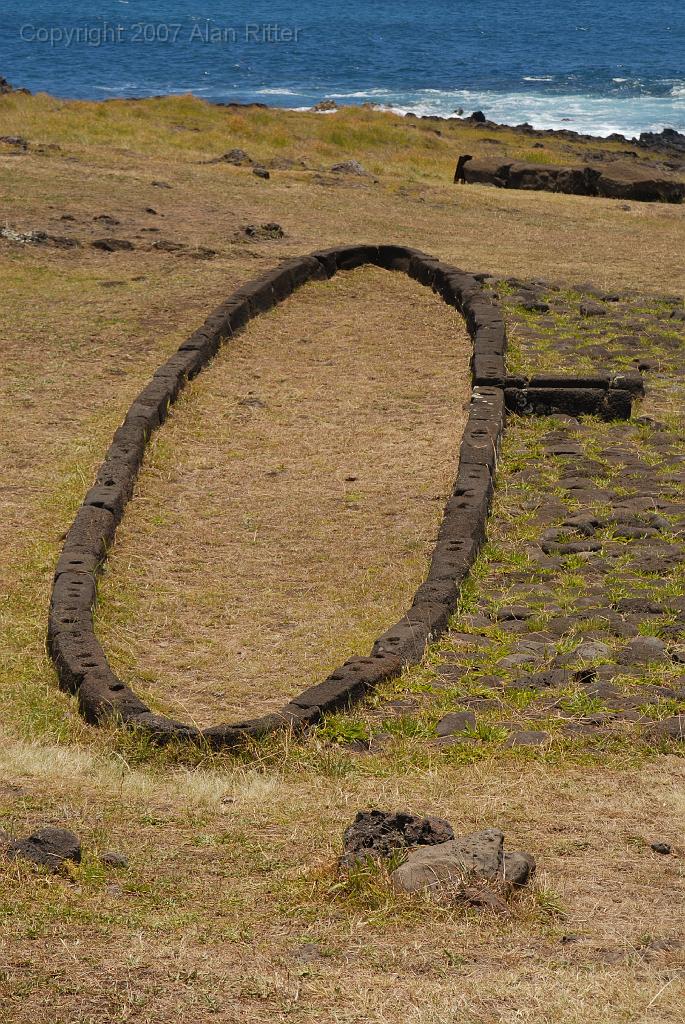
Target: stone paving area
(572,626)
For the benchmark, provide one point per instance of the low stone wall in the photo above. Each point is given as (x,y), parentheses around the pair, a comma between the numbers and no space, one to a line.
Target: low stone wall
(614,180)
(81,663)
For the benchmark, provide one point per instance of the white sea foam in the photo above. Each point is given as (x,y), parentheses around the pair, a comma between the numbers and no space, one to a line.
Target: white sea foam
(591,115)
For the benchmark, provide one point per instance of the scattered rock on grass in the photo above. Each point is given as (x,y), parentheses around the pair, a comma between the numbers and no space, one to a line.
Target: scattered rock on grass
(527,738)
(643,650)
(262,231)
(350,167)
(112,859)
(49,847)
(448,866)
(38,238)
(112,244)
(324,106)
(261,172)
(15,140)
(382,833)
(662,848)
(592,309)
(456,721)
(669,729)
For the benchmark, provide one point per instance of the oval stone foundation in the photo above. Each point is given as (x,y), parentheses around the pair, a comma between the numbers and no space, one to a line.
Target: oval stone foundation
(287,511)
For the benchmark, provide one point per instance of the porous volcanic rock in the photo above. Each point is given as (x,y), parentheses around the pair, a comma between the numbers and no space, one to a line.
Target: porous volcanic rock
(49,847)
(381,833)
(613,180)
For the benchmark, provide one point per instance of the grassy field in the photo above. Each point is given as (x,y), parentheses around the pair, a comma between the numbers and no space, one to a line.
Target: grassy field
(231,909)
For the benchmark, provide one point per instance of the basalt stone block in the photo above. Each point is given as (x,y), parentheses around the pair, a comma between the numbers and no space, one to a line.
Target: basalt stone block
(291,717)
(302,269)
(282,282)
(478,445)
(76,559)
(76,655)
(327,259)
(407,639)
(205,342)
(73,597)
(350,256)
(397,257)
(92,531)
(350,682)
(571,401)
(159,394)
(182,366)
(423,270)
(259,295)
(74,592)
(600,382)
(490,339)
(116,473)
(488,369)
(143,417)
(481,314)
(346,257)
(453,558)
(163,730)
(455,287)
(111,496)
(128,444)
(222,737)
(617,404)
(487,171)
(444,592)
(102,697)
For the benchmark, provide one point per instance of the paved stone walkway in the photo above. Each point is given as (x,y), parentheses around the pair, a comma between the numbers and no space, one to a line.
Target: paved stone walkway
(573,624)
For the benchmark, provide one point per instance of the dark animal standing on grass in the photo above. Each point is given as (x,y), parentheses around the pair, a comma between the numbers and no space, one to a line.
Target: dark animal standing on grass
(459,176)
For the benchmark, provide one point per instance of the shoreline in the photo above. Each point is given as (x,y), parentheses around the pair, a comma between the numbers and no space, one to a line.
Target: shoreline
(669,137)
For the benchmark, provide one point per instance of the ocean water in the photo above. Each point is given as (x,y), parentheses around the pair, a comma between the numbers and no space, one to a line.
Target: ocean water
(595,67)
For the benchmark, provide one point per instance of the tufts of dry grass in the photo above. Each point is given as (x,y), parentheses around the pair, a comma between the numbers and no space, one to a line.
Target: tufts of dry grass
(291,505)
(229,910)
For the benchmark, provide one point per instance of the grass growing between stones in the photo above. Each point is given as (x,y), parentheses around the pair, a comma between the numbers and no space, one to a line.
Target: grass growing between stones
(231,908)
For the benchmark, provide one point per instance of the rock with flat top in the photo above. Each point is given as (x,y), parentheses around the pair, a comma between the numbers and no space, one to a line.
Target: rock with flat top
(49,847)
(437,867)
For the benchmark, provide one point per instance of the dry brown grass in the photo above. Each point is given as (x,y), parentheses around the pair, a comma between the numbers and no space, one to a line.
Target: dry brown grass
(231,864)
(292,503)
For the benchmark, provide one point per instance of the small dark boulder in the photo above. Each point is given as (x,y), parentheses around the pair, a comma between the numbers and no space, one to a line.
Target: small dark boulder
(112,244)
(49,847)
(112,859)
(382,833)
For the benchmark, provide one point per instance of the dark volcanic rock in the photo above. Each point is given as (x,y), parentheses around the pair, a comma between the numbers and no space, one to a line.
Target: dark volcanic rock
(112,244)
(263,231)
(643,650)
(381,833)
(49,847)
(456,721)
(350,167)
(613,180)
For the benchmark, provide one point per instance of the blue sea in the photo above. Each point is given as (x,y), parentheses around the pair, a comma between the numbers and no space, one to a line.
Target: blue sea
(595,66)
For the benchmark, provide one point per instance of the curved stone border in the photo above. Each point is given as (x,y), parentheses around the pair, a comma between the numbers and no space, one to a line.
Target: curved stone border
(80,661)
